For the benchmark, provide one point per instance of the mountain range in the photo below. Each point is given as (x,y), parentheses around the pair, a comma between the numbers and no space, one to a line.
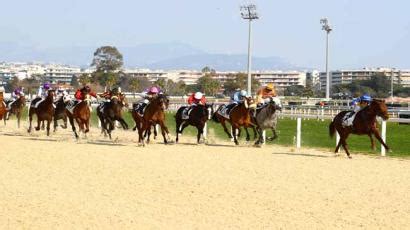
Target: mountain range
(166,56)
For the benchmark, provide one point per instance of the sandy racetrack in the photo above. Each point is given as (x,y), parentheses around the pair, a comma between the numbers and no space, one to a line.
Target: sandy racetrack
(58,183)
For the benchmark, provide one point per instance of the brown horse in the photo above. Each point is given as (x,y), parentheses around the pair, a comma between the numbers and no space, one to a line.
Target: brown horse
(364,124)
(3,108)
(44,111)
(154,114)
(238,117)
(16,108)
(81,114)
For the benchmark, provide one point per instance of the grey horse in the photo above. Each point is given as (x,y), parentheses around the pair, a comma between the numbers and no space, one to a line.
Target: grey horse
(267,118)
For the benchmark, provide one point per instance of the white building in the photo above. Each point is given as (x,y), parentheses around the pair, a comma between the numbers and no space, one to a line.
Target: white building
(348,76)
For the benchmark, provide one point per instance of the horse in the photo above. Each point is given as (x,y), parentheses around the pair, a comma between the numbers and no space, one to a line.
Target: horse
(3,108)
(81,114)
(111,111)
(238,117)
(44,111)
(267,118)
(59,113)
(154,114)
(16,108)
(198,116)
(364,124)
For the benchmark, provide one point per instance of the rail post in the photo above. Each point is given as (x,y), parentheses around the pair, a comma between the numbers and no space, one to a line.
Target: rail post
(298,132)
(383,150)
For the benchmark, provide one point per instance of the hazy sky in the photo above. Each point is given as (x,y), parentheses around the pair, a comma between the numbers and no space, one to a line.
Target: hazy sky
(366,32)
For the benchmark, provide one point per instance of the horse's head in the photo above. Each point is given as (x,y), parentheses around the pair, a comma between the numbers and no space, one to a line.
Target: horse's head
(379,108)
(51,94)
(209,110)
(249,103)
(123,99)
(163,101)
(276,103)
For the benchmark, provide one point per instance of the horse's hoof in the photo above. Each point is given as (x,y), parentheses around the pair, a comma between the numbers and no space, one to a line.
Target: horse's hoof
(257,145)
(350,157)
(37,128)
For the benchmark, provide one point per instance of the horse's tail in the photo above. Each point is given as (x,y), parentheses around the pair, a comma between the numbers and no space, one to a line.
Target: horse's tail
(332,129)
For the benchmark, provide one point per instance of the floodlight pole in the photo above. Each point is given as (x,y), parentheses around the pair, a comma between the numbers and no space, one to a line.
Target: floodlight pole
(326,27)
(249,13)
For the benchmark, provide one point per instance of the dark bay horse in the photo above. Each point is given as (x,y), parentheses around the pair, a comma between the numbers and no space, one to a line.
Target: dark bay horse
(364,124)
(238,117)
(3,108)
(154,114)
(16,108)
(267,118)
(112,111)
(81,114)
(44,111)
(198,117)
(59,113)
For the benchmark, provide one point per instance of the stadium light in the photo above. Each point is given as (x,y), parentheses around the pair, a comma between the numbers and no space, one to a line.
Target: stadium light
(326,27)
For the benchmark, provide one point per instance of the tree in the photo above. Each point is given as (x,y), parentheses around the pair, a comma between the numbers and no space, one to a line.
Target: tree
(74,81)
(161,83)
(107,59)
(207,69)
(84,79)
(294,90)
(208,85)
(12,84)
(239,81)
(134,84)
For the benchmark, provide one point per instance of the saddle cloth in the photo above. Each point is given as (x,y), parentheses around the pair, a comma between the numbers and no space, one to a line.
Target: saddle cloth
(225,111)
(186,112)
(345,119)
(71,105)
(139,108)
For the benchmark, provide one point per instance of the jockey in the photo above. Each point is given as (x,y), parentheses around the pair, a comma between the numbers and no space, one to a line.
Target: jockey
(358,105)
(193,100)
(196,98)
(264,94)
(61,93)
(148,95)
(17,93)
(109,93)
(80,95)
(108,96)
(42,93)
(237,97)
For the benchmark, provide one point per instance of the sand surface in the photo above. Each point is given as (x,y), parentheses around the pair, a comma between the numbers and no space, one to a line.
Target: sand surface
(58,183)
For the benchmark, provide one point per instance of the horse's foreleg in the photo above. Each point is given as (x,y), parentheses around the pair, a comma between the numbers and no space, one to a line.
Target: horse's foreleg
(38,124)
(248,137)
(255,135)
(123,123)
(71,119)
(30,119)
(200,132)
(18,115)
(109,122)
(165,131)
(372,141)
(260,139)
(234,130)
(343,140)
(48,127)
(225,129)
(55,124)
(378,137)
(274,135)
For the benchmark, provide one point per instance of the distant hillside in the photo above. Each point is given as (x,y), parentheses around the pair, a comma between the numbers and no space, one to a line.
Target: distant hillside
(154,56)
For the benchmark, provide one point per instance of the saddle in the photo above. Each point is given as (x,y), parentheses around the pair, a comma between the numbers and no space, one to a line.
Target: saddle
(139,108)
(71,105)
(225,110)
